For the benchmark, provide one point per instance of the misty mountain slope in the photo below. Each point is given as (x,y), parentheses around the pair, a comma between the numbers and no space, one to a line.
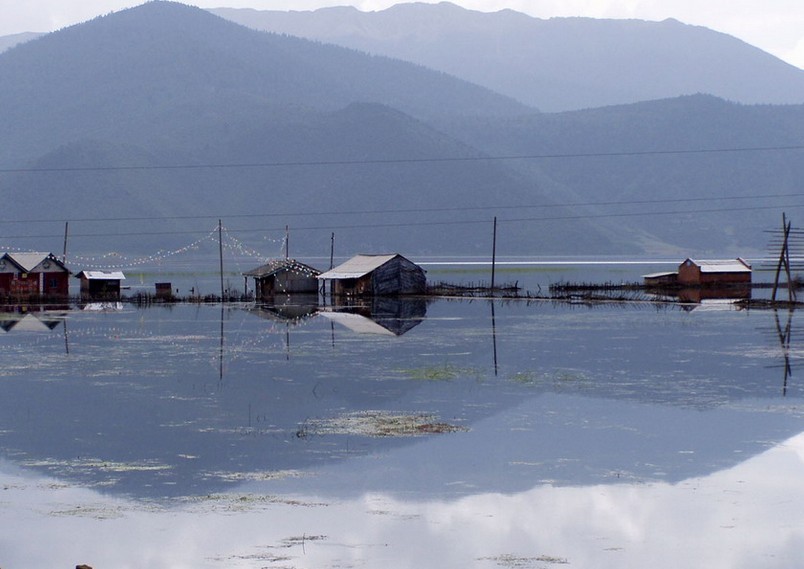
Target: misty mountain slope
(379,179)
(699,154)
(556,64)
(145,127)
(9,41)
(132,70)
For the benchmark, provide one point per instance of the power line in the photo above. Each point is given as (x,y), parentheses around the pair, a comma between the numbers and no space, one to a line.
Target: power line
(430,223)
(312,163)
(415,210)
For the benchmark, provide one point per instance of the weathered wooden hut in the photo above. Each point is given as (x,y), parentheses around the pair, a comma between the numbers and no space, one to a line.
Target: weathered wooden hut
(714,273)
(663,279)
(283,276)
(33,274)
(101,285)
(376,275)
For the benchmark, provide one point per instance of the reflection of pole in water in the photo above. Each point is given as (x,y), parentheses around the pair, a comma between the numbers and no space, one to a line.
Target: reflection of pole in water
(66,341)
(220,364)
(494,336)
(287,340)
(784,340)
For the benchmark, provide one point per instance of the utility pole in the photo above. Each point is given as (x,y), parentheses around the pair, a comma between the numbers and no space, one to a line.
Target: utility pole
(493,254)
(220,255)
(64,252)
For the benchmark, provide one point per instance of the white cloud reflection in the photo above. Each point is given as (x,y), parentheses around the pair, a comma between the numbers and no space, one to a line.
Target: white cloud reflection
(750,515)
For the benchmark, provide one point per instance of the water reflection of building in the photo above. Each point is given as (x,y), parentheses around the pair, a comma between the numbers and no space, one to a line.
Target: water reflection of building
(295,310)
(28,322)
(380,315)
(700,294)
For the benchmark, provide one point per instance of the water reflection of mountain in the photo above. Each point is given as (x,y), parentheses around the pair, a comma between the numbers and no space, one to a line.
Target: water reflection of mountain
(180,402)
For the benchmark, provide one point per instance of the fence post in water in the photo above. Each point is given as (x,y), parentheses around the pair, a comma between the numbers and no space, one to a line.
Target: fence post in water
(493,254)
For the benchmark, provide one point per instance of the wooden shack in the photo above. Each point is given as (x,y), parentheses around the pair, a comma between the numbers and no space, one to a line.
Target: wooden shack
(33,274)
(714,272)
(376,275)
(283,276)
(100,285)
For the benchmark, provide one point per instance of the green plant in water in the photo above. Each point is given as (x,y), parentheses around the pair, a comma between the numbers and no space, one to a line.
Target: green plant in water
(445,372)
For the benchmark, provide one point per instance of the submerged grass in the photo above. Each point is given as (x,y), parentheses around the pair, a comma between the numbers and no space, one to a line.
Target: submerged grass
(445,372)
(378,424)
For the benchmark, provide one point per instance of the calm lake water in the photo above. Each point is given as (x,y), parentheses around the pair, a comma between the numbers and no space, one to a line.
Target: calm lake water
(444,434)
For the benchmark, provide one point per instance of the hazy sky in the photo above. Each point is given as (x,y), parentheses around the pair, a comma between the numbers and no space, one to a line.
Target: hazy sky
(777,26)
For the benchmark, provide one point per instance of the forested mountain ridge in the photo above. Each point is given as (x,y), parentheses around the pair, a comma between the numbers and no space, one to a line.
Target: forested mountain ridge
(556,64)
(133,70)
(144,127)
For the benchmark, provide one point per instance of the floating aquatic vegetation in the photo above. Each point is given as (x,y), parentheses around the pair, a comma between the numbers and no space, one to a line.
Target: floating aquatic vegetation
(444,372)
(378,424)
(509,560)
(254,476)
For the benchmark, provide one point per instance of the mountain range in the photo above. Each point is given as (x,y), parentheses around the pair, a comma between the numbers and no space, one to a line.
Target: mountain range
(144,127)
(556,64)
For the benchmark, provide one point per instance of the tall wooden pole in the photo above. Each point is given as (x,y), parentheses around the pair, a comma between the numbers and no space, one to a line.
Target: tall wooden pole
(220,255)
(287,242)
(64,253)
(331,250)
(493,254)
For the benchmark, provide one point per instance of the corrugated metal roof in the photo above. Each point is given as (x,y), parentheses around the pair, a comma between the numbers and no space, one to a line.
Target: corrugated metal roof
(357,266)
(722,266)
(278,265)
(102,275)
(660,275)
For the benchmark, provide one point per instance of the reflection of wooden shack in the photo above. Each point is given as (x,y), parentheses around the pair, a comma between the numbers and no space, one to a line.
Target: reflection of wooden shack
(376,275)
(33,274)
(27,322)
(283,276)
(382,315)
(100,285)
(285,313)
(714,273)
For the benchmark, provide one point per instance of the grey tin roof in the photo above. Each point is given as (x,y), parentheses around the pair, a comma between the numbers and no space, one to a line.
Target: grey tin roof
(357,266)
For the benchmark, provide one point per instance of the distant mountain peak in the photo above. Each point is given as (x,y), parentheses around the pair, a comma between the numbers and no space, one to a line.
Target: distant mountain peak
(555,64)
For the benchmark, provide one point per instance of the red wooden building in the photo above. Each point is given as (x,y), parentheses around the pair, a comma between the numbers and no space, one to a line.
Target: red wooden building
(23,275)
(711,273)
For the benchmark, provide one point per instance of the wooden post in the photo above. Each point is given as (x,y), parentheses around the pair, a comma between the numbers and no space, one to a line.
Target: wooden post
(784,260)
(64,253)
(220,257)
(331,250)
(287,240)
(493,254)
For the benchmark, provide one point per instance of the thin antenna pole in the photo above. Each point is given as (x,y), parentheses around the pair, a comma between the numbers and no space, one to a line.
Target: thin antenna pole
(287,242)
(331,250)
(493,254)
(220,254)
